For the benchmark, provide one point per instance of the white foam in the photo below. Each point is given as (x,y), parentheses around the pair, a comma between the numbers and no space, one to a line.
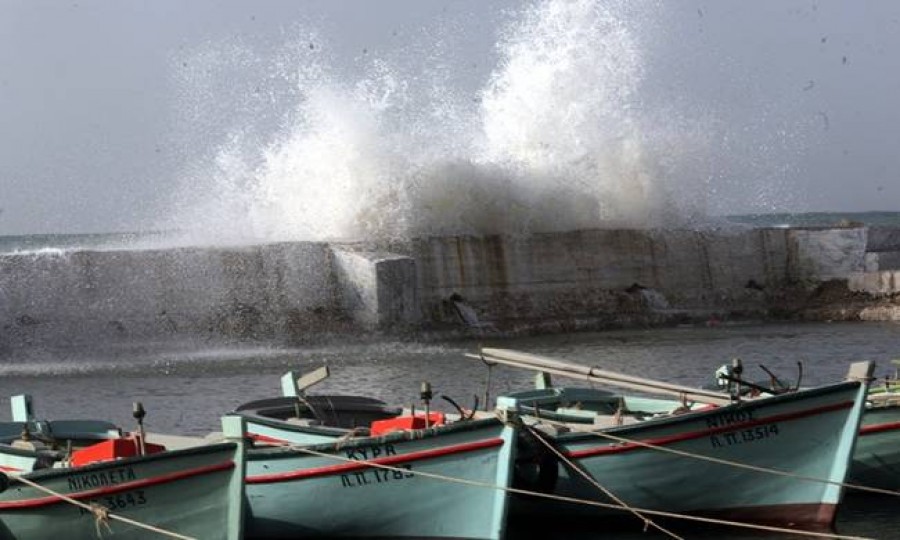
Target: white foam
(43,252)
(560,139)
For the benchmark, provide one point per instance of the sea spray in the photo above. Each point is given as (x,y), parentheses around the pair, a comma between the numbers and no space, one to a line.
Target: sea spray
(566,109)
(561,135)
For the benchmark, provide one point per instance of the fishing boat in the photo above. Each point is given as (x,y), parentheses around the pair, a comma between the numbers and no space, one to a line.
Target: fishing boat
(806,437)
(123,486)
(876,457)
(421,475)
(39,441)
(300,418)
(876,460)
(76,433)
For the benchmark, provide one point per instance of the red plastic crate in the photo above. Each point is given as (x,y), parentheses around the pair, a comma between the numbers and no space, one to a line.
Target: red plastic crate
(381,427)
(113,449)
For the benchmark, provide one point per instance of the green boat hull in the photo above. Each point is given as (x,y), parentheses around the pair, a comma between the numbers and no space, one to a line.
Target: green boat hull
(876,461)
(809,433)
(876,458)
(194,492)
(293,494)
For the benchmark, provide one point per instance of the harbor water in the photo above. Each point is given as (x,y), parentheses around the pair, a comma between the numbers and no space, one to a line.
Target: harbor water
(185,386)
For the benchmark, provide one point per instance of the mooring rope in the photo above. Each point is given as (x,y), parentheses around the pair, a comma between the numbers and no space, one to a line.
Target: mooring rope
(720,461)
(647,521)
(100,513)
(101,517)
(563,498)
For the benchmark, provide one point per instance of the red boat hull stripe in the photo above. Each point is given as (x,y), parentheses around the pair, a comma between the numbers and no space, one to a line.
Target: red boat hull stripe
(671,439)
(118,488)
(878,428)
(265,438)
(343,468)
(809,516)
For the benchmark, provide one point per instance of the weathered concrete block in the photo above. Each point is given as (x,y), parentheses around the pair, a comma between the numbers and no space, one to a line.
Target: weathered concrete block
(377,289)
(823,254)
(883,239)
(880,313)
(889,260)
(241,289)
(870,262)
(882,260)
(875,283)
(595,273)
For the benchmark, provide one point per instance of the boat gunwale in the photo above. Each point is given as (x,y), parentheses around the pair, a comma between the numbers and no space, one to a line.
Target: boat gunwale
(617,447)
(872,429)
(460,426)
(50,473)
(165,478)
(7,448)
(694,415)
(391,461)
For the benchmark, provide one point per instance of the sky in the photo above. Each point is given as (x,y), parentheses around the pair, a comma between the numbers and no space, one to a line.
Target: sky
(113,114)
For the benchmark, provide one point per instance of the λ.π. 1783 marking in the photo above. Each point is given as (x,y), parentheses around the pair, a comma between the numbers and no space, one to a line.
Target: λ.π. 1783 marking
(374,475)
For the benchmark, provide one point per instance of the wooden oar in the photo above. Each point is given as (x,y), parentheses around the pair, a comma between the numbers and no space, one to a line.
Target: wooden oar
(581,372)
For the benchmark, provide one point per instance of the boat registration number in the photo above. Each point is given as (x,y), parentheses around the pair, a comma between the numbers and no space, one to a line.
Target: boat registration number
(374,475)
(744,436)
(119,501)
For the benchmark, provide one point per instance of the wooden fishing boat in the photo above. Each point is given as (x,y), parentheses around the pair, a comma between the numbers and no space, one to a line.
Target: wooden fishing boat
(76,433)
(807,434)
(122,486)
(876,460)
(413,475)
(876,457)
(309,419)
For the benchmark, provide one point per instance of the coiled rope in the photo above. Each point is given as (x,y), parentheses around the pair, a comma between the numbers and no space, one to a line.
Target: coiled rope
(101,514)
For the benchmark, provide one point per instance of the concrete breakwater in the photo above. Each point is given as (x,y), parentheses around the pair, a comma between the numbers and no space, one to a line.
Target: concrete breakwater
(569,280)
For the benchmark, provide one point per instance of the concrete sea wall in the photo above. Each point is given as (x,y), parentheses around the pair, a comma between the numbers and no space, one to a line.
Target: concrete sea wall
(880,278)
(578,279)
(610,277)
(240,291)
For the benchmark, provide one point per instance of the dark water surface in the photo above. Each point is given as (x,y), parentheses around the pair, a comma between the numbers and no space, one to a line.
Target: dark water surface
(185,386)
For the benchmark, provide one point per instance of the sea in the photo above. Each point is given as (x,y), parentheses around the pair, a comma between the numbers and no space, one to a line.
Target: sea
(186,384)
(186,387)
(59,243)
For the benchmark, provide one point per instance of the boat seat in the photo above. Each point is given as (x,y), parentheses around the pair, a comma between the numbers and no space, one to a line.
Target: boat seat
(606,420)
(306,422)
(550,429)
